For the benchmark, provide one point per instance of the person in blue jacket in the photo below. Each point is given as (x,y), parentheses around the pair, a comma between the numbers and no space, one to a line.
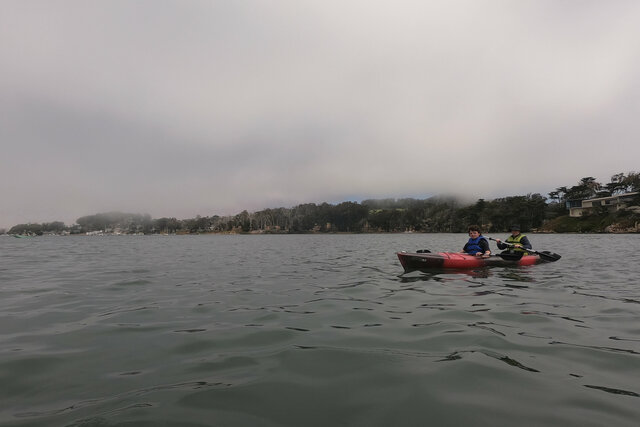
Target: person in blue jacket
(477,245)
(517,243)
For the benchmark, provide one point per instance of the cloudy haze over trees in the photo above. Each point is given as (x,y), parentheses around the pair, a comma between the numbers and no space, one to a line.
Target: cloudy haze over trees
(182,108)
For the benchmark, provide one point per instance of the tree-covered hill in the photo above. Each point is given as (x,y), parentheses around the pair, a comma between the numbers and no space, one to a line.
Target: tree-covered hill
(436,214)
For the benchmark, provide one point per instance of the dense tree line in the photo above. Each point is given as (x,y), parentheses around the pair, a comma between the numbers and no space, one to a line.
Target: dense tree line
(436,214)
(55,227)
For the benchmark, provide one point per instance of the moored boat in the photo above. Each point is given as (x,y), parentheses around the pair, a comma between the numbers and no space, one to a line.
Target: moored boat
(412,261)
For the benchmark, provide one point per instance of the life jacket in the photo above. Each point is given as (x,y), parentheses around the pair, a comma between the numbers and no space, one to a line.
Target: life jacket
(473,245)
(513,240)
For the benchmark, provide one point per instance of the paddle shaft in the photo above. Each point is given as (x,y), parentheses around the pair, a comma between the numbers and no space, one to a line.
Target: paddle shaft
(546,255)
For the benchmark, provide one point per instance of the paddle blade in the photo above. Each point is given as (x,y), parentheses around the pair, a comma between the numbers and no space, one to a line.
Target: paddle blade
(549,256)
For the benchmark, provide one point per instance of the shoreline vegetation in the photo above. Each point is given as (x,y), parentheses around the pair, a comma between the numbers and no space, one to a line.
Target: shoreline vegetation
(534,212)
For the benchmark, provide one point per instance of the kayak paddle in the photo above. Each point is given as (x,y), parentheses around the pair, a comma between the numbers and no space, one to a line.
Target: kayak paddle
(545,255)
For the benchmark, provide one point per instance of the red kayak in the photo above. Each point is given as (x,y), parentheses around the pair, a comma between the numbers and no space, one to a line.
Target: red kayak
(428,261)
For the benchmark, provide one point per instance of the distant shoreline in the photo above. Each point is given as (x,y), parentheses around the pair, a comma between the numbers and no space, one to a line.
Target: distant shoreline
(231,233)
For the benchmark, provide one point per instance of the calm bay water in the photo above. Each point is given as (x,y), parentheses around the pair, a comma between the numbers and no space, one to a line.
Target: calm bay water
(315,330)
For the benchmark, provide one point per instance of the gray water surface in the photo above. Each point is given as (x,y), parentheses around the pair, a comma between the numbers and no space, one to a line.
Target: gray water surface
(315,330)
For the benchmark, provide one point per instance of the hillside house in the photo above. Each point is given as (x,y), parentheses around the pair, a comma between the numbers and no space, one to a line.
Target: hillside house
(579,208)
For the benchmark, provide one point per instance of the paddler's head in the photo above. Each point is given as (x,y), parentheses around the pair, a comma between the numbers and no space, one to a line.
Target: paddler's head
(474,231)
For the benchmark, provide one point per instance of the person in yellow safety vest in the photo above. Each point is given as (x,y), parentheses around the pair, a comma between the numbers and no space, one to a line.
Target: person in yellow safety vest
(519,241)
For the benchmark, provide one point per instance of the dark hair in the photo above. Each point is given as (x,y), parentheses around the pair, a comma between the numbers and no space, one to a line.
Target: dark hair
(514,227)
(475,228)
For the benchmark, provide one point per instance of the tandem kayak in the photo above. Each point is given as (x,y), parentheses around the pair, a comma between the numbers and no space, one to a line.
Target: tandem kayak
(412,261)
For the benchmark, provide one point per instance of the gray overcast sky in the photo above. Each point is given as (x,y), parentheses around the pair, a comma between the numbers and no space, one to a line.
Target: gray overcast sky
(184,108)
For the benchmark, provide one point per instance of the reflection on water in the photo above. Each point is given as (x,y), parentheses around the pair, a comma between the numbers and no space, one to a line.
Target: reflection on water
(516,274)
(313,330)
